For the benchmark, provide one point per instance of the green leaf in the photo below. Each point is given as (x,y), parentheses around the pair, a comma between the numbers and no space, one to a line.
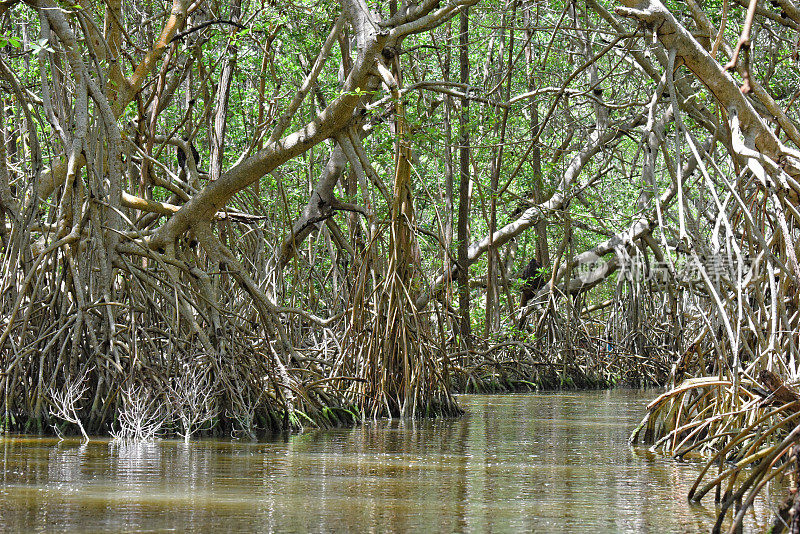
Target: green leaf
(5,40)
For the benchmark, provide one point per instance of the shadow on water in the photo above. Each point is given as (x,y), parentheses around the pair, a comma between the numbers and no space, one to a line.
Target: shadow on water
(513,463)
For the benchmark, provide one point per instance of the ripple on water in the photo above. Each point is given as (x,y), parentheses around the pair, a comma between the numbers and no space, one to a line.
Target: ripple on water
(549,462)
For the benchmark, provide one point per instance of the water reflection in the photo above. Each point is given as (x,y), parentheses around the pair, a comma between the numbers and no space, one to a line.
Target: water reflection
(514,463)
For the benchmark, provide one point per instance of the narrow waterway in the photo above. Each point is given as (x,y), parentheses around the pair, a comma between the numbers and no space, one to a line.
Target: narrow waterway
(514,463)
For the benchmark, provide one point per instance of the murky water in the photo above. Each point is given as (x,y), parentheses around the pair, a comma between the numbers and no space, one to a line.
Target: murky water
(516,463)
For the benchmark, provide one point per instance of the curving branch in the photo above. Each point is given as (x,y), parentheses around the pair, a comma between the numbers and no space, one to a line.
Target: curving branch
(674,36)
(531,216)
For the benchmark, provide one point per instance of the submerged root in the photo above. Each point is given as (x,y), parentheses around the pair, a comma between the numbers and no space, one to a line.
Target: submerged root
(160,348)
(748,432)
(398,368)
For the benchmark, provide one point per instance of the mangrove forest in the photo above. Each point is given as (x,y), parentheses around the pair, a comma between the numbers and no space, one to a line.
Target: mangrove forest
(260,218)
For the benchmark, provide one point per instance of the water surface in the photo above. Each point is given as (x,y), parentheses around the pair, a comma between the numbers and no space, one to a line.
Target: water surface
(514,463)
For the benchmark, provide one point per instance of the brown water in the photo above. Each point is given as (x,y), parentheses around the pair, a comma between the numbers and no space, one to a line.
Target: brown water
(516,463)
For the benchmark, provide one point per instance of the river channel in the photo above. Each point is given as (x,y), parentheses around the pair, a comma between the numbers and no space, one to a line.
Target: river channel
(514,463)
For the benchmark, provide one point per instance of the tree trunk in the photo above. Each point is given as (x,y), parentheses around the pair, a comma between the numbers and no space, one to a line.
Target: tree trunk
(462,230)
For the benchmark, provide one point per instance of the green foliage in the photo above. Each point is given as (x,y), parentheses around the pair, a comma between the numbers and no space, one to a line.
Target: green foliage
(6,40)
